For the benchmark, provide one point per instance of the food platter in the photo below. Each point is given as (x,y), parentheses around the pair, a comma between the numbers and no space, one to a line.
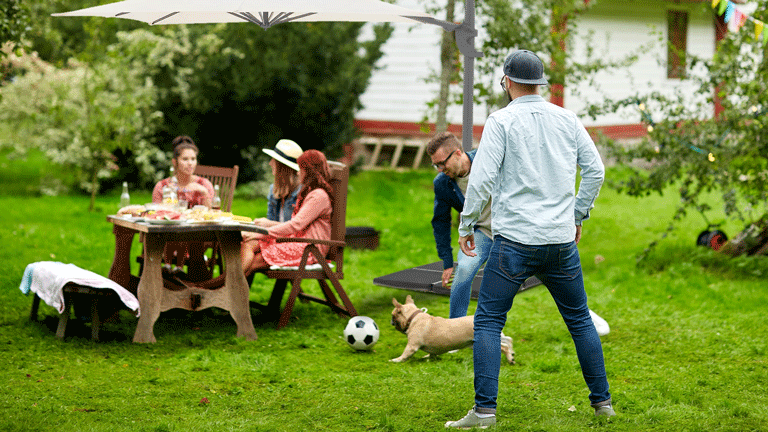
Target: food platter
(130,218)
(164,221)
(208,221)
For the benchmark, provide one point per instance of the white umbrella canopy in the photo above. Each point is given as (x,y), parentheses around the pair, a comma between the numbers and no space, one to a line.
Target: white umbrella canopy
(264,13)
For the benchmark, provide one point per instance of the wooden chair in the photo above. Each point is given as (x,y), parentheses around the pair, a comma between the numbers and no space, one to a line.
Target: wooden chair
(202,265)
(339,180)
(226,178)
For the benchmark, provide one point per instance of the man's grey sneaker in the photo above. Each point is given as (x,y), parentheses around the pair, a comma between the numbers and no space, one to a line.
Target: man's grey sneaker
(605,410)
(471,420)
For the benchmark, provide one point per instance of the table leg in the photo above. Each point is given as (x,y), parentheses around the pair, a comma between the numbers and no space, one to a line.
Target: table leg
(120,272)
(150,288)
(235,284)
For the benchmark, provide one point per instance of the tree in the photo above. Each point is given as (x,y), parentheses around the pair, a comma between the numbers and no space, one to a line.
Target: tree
(57,39)
(236,88)
(544,27)
(449,73)
(13,23)
(80,115)
(690,149)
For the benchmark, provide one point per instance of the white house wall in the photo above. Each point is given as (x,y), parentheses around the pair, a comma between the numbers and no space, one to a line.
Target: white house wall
(621,27)
(399,92)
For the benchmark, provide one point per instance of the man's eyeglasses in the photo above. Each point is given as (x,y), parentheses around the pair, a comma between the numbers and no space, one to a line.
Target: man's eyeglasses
(441,165)
(503,84)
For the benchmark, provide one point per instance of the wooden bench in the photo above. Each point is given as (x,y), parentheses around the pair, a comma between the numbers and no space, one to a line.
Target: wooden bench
(98,299)
(398,143)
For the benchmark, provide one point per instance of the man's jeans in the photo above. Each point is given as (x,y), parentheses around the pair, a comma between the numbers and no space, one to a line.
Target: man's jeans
(559,267)
(468,266)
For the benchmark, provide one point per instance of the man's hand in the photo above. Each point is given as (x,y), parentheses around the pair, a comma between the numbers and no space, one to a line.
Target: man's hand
(578,234)
(447,277)
(467,245)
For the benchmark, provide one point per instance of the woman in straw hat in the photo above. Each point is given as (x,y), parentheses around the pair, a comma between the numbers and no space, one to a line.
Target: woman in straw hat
(284,191)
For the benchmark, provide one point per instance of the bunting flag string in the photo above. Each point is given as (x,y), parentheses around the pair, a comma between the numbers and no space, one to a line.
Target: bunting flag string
(736,18)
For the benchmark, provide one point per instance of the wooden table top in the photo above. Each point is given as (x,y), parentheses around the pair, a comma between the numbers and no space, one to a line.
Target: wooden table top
(183,227)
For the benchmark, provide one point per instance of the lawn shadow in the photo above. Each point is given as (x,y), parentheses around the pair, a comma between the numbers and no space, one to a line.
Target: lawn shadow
(77,328)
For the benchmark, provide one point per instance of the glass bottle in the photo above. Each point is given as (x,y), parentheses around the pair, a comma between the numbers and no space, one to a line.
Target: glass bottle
(125,199)
(174,186)
(167,195)
(216,201)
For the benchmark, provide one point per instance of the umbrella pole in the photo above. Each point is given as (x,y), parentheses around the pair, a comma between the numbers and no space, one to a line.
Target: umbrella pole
(467,126)
(465,40)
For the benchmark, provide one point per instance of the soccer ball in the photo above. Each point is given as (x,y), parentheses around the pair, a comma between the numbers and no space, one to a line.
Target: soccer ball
(361,333)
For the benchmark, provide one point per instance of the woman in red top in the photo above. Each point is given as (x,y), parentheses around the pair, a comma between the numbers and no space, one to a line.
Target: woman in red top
(194,189)
(311,219)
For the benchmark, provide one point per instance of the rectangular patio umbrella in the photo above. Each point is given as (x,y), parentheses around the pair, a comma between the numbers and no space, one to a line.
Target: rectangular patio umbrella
(266,13)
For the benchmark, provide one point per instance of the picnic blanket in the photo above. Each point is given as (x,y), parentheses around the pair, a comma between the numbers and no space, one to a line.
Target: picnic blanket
(47,279)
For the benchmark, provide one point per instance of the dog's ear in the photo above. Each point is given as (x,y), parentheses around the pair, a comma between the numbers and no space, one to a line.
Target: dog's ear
(395,303)
(409,299)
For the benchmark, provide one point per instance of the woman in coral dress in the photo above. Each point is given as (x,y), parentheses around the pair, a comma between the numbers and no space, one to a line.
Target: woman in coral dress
(311,219)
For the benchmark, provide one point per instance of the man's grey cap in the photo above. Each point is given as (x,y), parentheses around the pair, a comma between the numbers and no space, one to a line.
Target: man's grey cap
(525,67)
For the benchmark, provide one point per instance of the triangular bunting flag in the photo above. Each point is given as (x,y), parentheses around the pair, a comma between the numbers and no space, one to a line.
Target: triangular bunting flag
(729,11)
(723,6)
(715,3)
(738,19)
(758,28)
(741,20)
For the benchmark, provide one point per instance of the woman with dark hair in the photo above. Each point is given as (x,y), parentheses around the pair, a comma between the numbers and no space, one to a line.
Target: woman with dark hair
(310,219)
(191,188)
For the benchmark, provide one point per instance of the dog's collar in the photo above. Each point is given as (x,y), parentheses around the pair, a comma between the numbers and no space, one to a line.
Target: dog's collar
(410,318)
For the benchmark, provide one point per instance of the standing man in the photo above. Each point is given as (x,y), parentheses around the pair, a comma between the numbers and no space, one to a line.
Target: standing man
(450,187)
(532,148)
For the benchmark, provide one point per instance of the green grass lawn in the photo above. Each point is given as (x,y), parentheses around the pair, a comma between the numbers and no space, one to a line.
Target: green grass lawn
(686,351)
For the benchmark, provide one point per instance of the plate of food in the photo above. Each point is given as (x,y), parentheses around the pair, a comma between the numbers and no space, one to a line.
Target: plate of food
(241,219)
(131,211)
(163,217)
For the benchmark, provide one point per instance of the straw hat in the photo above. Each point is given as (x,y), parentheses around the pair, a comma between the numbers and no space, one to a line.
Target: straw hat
(286,152)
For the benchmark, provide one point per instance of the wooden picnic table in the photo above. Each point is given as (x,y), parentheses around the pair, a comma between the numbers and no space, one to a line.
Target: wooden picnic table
(156,296)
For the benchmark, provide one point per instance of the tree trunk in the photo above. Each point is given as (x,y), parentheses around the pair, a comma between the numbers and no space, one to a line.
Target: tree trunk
(94,189)
(559,30)
(447,55)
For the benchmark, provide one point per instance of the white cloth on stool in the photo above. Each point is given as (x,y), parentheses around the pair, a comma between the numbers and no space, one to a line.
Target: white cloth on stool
(47,280)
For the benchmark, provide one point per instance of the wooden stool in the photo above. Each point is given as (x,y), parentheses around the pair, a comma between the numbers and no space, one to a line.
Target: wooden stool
(78,293)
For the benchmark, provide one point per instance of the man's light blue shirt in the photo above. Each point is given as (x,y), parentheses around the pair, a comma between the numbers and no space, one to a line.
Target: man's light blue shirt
(527,161)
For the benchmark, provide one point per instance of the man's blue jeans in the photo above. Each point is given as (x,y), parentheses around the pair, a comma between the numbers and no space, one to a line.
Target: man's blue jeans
(559,267)
(468,266)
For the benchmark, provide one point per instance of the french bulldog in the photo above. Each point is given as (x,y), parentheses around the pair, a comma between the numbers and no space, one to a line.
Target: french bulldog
(436,335)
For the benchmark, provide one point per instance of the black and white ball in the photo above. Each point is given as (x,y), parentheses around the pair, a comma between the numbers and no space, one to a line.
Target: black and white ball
(361,333)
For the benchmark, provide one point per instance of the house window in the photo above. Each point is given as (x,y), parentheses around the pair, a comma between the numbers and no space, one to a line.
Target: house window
(677,32)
